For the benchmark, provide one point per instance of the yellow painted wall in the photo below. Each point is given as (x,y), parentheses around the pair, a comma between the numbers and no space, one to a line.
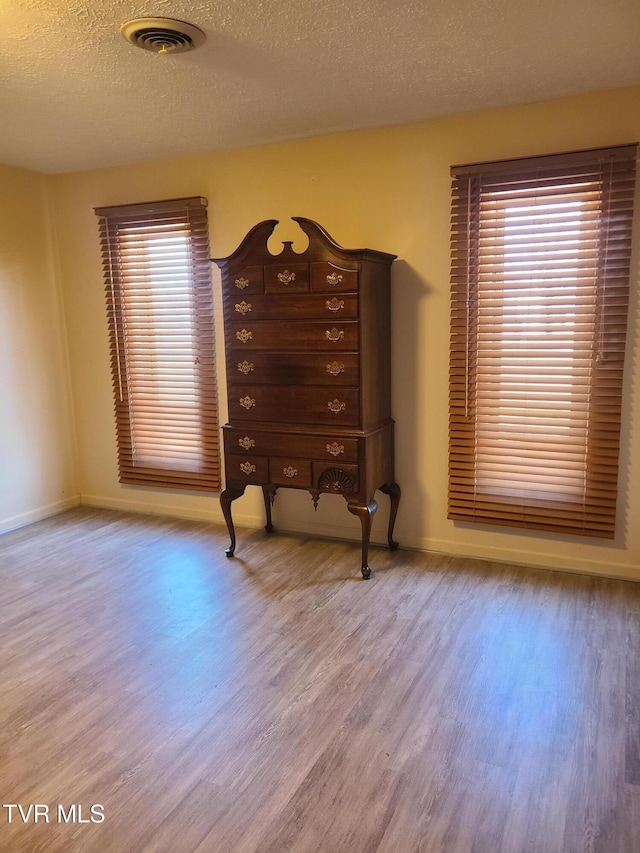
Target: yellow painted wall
(37,468)
(387,189)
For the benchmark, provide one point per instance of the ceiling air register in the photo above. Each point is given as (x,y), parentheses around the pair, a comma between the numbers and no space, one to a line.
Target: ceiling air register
(162,35)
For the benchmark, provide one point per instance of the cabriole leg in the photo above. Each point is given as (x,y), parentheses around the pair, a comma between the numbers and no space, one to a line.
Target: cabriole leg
(365,513)
(269,494)
(228,495)
(393,490)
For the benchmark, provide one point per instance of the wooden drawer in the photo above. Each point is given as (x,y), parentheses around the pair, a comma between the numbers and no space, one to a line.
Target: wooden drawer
(294,307)
(282,368)
(288,471)
(245,283)
(246,469)
(338,479)
(332,278)
(294,404)
(318,335)
(286,278)
(329,447)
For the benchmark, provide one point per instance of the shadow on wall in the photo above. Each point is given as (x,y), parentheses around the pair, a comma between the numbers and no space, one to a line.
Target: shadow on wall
(630,393)
(293,510)
(409,367)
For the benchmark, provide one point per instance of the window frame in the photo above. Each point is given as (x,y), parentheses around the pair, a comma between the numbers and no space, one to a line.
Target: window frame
(594,512)
(166,402)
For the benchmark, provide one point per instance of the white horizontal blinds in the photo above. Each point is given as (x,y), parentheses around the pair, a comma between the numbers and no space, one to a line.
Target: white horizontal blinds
(540,270)
(160,302)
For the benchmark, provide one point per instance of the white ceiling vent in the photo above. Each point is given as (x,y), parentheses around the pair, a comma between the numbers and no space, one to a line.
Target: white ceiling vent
(162,35)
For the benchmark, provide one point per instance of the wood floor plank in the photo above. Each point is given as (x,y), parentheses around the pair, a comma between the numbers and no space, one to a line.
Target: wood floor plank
(276,702)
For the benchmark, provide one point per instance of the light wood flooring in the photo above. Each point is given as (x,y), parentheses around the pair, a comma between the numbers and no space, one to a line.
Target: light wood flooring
(277,702)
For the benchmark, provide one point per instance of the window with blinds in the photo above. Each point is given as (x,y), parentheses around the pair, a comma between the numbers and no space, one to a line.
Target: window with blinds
(540,275)
(160,310)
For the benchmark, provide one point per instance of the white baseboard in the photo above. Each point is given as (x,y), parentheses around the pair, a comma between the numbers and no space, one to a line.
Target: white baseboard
(211,513)
(603,566)
(529,559)
(214,513)
(540,559)
(328,531)
(42,512)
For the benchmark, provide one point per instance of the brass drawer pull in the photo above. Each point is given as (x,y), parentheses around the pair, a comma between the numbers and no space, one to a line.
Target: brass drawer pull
(245,367)
(335,449)
(290,472)
(336,406)
(334,279)
(334,334)
(248,443)
(243,307)
(244,336)
(247,467)
(286,277)
(335,368)
(241,283)
(334,304)
(247,402)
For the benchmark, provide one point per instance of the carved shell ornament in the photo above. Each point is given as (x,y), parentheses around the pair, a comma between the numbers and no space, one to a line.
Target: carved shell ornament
(336,480)
(243,307)
(244,335)
(286,277)
(241,283)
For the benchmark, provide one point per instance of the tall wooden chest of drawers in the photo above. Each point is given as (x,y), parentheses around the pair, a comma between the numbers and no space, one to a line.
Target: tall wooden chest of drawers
(307,341)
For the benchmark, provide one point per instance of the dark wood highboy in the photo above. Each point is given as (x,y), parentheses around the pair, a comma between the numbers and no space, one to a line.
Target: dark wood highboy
(308,374)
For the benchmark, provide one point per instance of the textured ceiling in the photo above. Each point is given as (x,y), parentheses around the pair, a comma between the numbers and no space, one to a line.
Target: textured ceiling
(75,95)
